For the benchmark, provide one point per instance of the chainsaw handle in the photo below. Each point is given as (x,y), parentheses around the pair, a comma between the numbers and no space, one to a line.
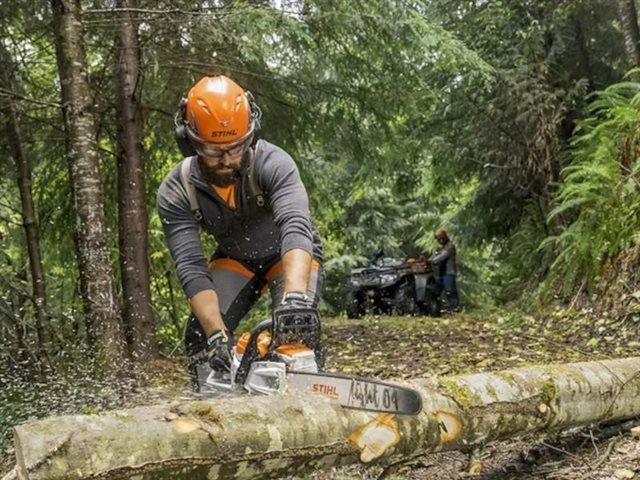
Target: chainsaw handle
(251,352)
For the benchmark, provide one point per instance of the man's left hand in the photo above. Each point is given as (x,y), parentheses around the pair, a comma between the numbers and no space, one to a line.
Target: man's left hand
(296,313)
(296,304)
(295,300)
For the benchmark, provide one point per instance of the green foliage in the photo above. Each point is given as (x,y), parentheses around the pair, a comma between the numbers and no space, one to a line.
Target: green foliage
(520,265)
(509,130)
(402,117)
(599,197)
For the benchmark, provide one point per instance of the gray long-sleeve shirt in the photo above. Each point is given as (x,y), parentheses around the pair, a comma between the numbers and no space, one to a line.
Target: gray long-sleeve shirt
(248,232)
(445,259)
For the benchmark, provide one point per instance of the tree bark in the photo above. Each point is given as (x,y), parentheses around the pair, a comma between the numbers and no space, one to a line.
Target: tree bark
(584,58)
(101,309)
(132,202)
(629,21)
(31,228)
(241,438)
(11,307)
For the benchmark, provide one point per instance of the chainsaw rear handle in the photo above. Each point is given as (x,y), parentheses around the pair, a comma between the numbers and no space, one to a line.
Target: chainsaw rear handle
(296,325)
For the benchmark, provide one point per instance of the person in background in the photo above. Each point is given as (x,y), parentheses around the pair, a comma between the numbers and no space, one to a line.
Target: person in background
(444,264)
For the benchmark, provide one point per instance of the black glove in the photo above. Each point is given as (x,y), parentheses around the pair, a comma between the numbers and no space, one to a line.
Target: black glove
(295,300)
(296,320)
(297,308)
(219,351)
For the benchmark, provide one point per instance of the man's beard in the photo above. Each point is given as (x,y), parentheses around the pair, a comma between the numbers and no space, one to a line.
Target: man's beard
(221,179)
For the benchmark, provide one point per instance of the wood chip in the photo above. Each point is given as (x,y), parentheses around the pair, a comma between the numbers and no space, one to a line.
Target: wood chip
(622,449)
(635,432)
(624,473)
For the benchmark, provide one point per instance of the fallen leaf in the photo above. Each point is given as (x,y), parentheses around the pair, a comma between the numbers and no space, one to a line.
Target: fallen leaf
(624,474)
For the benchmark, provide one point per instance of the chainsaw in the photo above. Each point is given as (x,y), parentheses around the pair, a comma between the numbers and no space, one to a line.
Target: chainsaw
(285,354)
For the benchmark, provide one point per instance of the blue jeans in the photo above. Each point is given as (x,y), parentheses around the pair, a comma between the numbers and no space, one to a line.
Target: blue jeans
(448,284)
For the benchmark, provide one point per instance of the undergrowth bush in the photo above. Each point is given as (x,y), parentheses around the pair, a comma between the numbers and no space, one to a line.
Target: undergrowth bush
(598,199)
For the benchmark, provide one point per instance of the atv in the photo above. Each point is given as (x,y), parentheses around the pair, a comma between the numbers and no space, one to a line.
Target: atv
(391,285)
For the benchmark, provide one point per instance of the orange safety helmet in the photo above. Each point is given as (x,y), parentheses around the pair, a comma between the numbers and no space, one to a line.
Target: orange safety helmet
(441,234)
(218,111)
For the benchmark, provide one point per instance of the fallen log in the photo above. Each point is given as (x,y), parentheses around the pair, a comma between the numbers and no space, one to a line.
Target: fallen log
(242,437)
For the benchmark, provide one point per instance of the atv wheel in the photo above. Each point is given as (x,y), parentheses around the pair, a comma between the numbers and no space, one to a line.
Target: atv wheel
(431,305)
(405,300)
(355,306)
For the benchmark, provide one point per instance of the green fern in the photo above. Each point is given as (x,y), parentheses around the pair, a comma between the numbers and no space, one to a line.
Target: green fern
(600,190)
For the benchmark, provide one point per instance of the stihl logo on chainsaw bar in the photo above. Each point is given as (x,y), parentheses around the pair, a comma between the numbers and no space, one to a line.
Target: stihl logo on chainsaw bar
(322,389)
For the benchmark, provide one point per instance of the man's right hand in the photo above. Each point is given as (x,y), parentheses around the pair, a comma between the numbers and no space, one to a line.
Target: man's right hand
(219,351)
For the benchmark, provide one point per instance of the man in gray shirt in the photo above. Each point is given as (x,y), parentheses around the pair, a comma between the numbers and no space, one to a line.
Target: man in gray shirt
(248,194)
(444,262)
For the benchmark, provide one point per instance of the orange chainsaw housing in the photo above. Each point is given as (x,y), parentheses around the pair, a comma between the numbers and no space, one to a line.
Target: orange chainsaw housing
(264,340)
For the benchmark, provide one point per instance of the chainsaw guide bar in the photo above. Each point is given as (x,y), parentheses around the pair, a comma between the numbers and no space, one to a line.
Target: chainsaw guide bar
(358,393)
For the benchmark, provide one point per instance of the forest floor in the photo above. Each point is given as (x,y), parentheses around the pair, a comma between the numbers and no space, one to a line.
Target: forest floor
(394,347)
(405,347)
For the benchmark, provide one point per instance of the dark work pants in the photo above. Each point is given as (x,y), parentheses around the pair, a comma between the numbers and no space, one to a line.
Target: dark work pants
(447,283)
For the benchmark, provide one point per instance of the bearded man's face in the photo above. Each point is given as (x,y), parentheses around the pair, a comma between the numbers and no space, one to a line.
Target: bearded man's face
(221,171)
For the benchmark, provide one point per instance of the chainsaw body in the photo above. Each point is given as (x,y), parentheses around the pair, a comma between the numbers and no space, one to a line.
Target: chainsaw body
(263,358)
(265,376)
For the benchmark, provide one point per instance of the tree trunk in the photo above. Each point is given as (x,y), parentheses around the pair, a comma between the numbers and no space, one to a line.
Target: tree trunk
(30,222)
(583,50)
(101,310)
(134,263)
(629,21)
(29,217)
(241,438)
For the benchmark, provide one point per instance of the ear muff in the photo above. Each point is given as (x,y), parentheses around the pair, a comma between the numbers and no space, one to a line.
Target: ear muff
(184,144)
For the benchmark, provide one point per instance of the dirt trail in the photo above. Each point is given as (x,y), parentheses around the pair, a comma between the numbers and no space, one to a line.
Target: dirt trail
(387,346)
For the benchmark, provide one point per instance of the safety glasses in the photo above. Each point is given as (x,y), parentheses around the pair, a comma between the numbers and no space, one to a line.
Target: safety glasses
(216,151)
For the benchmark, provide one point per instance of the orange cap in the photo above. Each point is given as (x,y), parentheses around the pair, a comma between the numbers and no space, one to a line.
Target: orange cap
(441,233)
(218,111)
